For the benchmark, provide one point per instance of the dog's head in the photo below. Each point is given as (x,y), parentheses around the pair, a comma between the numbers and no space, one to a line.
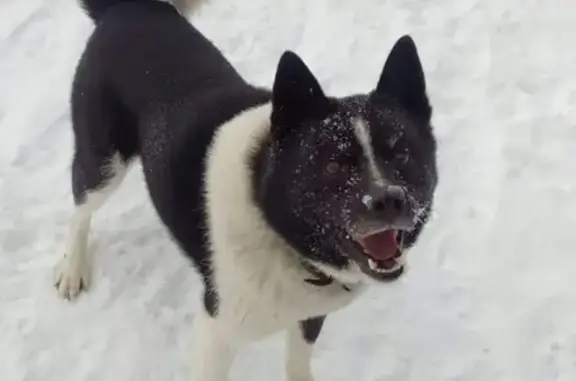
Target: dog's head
(349,182)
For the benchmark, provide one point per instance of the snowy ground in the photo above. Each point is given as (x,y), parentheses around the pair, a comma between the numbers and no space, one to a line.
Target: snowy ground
(492,291)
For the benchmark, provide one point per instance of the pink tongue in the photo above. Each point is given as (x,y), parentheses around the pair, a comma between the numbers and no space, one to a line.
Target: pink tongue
(381,246)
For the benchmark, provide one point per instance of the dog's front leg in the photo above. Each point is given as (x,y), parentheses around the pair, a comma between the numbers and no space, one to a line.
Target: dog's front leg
(213,349)
(299,348)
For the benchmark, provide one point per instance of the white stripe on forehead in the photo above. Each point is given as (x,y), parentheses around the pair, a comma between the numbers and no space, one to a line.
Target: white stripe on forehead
(362,133)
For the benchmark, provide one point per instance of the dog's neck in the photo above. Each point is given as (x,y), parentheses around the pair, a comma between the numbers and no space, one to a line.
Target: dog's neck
(319,278)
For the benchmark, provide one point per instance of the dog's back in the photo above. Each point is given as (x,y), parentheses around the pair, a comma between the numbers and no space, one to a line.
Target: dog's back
(142,59)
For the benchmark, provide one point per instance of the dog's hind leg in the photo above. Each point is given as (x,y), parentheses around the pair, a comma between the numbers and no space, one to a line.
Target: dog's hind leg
(105,136)
(94,178)
(299,348)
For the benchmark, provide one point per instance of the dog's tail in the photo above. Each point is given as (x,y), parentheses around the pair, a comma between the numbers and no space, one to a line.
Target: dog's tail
(97,8)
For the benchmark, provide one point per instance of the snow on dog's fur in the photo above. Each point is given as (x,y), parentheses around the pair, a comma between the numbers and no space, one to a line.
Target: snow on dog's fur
(288,202)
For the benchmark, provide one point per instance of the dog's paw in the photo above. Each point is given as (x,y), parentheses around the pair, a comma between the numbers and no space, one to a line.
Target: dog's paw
(71,276)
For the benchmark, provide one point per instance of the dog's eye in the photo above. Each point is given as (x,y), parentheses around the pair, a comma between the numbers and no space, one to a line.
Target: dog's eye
(334,168)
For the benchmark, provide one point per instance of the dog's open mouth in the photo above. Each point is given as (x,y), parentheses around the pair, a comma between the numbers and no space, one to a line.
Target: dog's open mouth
(383,251)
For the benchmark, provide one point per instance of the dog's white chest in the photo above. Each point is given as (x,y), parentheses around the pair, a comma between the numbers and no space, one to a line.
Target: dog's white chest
(270,294)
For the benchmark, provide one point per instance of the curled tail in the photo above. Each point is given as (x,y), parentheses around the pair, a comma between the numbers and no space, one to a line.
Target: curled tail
(96,8)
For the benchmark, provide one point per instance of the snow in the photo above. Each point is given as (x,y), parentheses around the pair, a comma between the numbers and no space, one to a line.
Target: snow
(492,286)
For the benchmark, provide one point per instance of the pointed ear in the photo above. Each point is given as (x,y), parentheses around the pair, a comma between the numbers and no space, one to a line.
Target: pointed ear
(403,79)
(296,93)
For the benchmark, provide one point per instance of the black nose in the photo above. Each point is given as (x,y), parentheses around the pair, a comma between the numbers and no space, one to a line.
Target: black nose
(390,199)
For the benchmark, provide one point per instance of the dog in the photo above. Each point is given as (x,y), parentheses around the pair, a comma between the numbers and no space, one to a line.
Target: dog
(289,202)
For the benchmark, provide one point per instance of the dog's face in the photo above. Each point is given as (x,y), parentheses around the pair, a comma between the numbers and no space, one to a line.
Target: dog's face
(349,182)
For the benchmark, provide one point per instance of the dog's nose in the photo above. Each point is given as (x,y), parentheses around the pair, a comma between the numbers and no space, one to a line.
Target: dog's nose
(390,200)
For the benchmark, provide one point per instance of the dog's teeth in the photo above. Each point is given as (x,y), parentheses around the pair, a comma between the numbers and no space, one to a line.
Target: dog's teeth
(382,270)
(377,267)
(373,265)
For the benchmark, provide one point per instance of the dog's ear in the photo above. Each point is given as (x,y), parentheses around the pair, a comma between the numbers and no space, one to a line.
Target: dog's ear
(296,94)
(403,79)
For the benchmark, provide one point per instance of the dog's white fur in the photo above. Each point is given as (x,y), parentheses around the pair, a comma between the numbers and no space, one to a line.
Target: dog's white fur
(74,270)
(362,133)
(258,276)
(249,259)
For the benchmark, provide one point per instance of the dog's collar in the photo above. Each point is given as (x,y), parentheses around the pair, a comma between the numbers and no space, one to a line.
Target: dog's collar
(320,279)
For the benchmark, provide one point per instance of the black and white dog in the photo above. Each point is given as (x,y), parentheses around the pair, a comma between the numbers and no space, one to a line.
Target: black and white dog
(289,202)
